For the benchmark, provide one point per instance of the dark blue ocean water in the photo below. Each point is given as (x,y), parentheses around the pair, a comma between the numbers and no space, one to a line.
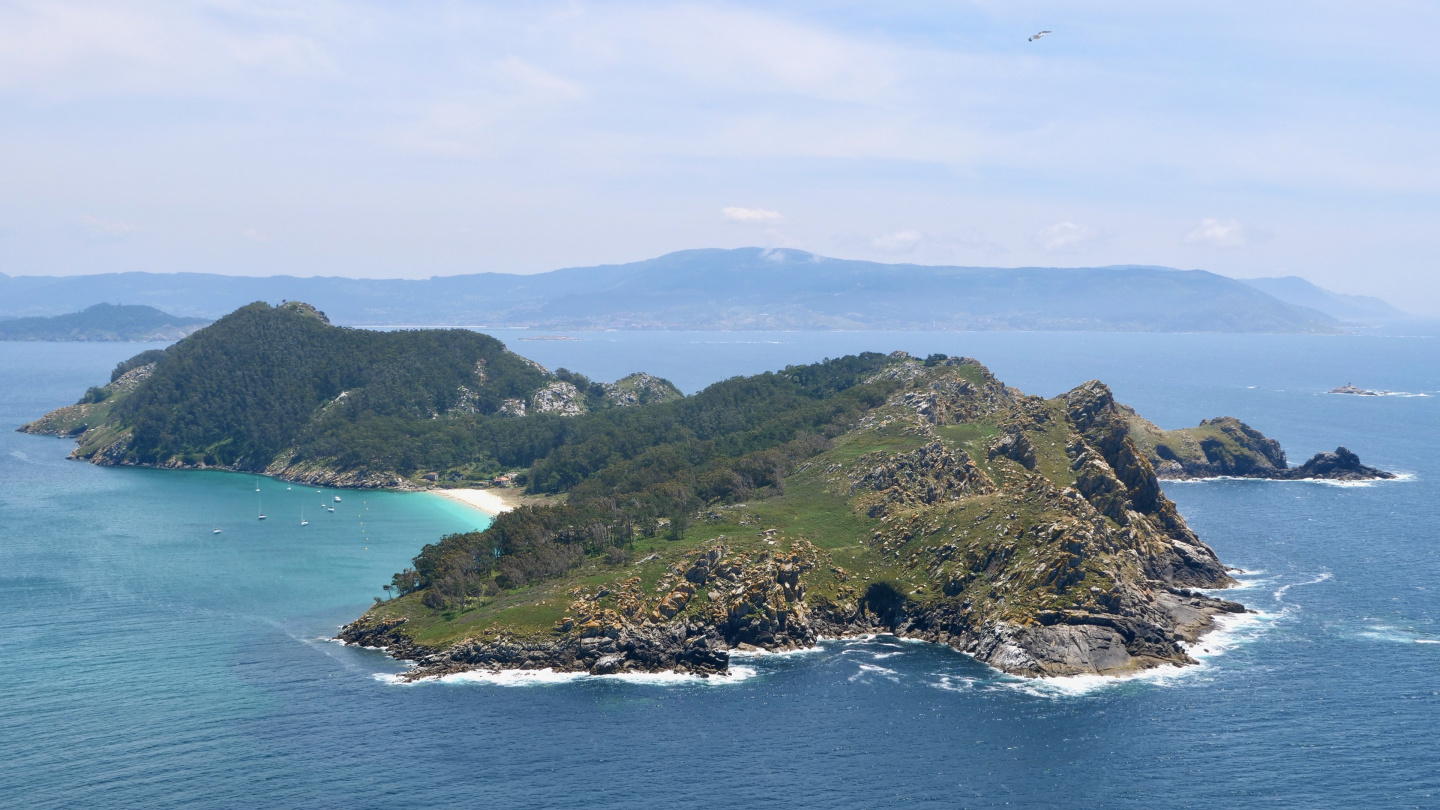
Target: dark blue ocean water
(150,663)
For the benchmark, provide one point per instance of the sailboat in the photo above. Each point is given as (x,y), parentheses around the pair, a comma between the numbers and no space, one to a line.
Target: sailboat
(257,483)
(303,521)
(261,508)
(217,531)
(337,498)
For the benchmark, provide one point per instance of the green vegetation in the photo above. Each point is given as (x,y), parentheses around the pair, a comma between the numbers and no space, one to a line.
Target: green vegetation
(1224,446)
(105,322)
(627,472)
(891,484)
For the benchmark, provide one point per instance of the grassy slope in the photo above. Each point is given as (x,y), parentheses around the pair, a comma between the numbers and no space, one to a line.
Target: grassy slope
(816,507)
(1185,443)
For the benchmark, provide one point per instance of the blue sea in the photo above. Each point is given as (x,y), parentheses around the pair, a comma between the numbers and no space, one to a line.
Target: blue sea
(148,662)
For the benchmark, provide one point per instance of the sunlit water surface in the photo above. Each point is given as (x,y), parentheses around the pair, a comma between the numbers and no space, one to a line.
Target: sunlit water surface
(150,662)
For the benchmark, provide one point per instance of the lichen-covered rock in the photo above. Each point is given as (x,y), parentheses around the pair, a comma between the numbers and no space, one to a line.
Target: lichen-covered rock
(558,397)
(640,389)
(930,475)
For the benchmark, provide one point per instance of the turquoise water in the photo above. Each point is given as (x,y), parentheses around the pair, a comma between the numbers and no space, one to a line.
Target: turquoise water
(151,663)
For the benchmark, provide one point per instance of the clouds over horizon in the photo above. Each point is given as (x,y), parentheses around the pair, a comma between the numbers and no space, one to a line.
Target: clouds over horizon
(367,139)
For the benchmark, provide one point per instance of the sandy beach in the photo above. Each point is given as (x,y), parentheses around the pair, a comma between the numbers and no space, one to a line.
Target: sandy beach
(490,501)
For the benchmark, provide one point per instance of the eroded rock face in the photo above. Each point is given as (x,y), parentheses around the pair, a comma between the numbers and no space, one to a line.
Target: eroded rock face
(558,397)
(1228,447)
(640,389)
(928,476)
(1341,465)
(715,603)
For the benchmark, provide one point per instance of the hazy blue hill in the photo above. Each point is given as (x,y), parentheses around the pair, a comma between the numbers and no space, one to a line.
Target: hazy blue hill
(754,288)
(129,322)
(1298,291)
(746,288)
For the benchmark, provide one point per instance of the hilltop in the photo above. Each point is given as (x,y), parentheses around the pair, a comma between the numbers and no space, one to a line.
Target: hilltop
(107,322)
(861,494)
(280,390)
(740,289)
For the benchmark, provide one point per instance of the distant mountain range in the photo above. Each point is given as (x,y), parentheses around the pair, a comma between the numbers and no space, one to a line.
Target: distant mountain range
(1354,308)
(130,322)
(747,288)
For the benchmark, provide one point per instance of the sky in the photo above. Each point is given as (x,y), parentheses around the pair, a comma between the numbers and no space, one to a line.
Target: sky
(433,138)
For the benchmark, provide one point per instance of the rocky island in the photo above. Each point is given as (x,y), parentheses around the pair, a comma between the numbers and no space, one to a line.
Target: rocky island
(871,493)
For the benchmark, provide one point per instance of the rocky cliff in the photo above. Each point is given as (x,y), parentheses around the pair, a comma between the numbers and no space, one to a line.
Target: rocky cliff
(1031,534)
(1229,447)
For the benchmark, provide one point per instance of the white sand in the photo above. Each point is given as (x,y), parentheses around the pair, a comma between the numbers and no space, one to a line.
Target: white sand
(486,500)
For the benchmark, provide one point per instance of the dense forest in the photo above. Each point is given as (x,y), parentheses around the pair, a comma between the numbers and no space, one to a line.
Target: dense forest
(268,386)
(632,471)
(265,379)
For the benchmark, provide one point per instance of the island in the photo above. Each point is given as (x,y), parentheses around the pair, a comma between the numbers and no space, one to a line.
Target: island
(1354,390)
(872,493)
(105,322)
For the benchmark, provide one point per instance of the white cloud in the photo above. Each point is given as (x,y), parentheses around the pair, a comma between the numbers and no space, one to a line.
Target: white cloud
(1214,233)
(898,242)
(103,230)
(737,214)
(1064,237)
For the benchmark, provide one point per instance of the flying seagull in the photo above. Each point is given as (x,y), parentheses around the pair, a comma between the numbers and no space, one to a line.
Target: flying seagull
(1037,36)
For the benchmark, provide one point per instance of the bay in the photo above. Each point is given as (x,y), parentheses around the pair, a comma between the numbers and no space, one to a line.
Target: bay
(151,663)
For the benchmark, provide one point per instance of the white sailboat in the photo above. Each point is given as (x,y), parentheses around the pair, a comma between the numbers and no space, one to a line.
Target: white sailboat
(261,507)
(217,531)
(303,521)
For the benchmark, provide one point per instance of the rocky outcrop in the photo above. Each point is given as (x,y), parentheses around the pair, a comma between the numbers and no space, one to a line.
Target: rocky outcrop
(927,476)
(1227,447)
(75,420)
(1341,465)
(558,397)
(640,389)
(716,602)
(721,602)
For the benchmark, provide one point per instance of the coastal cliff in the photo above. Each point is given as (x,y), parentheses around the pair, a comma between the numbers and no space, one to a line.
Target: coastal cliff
(868,493)
(1031,534)
(1229,447)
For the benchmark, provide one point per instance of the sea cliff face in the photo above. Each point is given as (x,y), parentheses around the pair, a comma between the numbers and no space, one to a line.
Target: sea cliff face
(1230,448)
(1030,534)
(869,493)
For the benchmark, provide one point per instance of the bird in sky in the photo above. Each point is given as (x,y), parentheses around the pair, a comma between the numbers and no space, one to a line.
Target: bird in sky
(1037,36)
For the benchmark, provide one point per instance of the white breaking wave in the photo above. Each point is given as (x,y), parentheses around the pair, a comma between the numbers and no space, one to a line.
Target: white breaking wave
(1280,592)
(867,670)
(763,653)
(1231,630)
(1395,635)
(1370,482)
(548,676)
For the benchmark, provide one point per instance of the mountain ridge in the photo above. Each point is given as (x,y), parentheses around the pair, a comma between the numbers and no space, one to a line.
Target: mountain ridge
(739,289)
